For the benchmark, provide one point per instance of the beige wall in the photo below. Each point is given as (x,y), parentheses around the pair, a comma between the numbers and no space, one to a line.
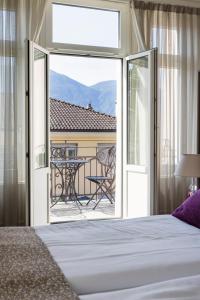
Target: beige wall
(87,142)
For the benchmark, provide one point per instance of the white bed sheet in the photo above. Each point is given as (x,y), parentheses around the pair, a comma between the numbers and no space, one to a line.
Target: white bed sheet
(187,288)
(101,256)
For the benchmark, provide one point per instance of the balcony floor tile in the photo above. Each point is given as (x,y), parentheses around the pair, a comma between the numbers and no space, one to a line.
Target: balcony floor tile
(62,212)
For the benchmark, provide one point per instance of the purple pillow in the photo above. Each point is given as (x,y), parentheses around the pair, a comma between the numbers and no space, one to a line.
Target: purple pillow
(189,210)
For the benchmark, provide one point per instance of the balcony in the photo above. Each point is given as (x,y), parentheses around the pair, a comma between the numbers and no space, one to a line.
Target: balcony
(75,195)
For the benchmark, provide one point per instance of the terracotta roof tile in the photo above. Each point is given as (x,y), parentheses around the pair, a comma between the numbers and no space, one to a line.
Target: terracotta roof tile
(71,117)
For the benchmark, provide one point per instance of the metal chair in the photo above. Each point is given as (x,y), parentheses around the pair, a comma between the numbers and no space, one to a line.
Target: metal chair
(106,182)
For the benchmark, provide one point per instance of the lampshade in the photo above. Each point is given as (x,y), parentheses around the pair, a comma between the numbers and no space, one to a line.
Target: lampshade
(189,166)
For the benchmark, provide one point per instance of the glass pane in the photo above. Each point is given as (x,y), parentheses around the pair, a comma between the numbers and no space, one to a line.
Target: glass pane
(39,110)
(138,91)
(85,26)
(8,33)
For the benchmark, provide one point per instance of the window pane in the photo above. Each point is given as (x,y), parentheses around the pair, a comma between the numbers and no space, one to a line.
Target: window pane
(85,26)
(138,77)
(166,39)
(39,110)
(72,150)
(7,32)
(170,100)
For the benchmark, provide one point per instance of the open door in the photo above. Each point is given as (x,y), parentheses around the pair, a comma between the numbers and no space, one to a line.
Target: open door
(140,134)
(38,135)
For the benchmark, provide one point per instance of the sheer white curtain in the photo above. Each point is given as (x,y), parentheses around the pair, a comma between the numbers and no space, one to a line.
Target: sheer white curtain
(36,11)
(16,25)
(175,31)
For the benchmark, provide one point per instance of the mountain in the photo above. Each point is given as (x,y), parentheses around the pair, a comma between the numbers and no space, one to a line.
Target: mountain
(108,95)
(102,95)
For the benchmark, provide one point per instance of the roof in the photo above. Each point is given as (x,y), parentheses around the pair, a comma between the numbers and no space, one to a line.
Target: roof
(74,118)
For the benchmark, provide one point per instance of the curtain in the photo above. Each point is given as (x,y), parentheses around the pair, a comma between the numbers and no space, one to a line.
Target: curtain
(175,31)
(16,25)
(37,10)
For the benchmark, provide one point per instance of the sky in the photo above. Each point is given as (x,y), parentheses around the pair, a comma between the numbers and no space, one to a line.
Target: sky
(86,70)
(87,26)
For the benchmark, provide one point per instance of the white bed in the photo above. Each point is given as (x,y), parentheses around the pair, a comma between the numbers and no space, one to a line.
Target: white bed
(145,258)
(186,288)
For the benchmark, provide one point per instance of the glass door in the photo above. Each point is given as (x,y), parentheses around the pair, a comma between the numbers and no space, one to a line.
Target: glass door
(140,134)
(38,135)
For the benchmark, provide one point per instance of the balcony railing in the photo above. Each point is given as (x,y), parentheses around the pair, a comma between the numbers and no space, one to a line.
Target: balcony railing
(60,175)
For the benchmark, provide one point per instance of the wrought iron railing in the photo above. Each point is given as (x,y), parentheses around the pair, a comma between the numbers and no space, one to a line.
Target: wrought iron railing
(59,181)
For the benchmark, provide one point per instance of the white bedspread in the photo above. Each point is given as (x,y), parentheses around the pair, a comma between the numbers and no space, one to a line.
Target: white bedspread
(113,255)
(187,288)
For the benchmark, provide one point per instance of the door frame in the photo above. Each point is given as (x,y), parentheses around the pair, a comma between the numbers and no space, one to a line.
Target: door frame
(122,108)
(153,132)
(119,130)
(29,93)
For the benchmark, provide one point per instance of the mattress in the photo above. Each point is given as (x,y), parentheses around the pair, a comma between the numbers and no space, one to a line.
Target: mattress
(112,256)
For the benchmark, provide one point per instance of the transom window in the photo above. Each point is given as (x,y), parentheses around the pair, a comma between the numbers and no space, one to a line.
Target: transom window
(85,26)
(88,27)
